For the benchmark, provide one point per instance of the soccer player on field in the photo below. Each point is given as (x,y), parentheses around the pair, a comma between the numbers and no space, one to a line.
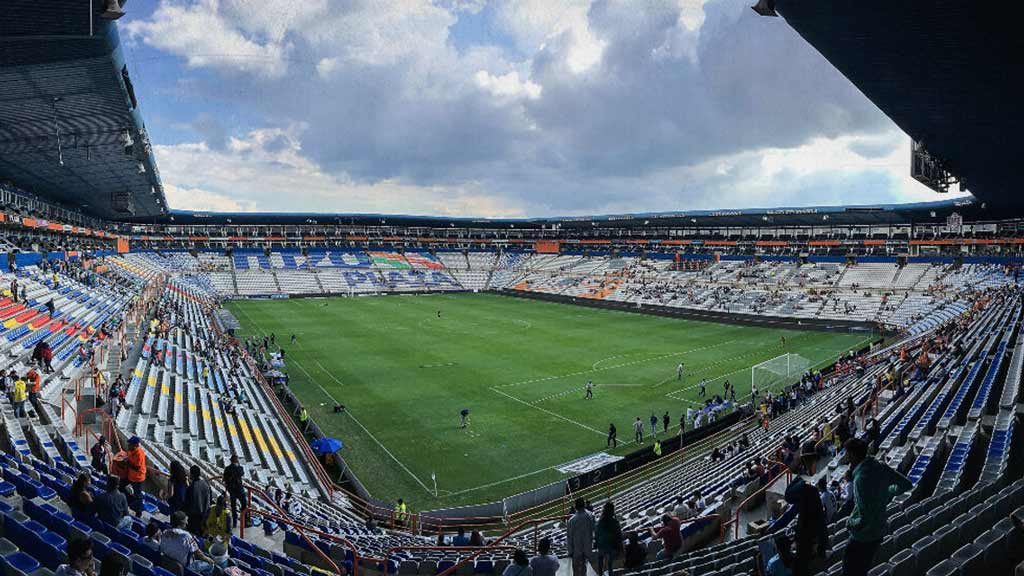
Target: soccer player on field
(638,431)
(703,387)
(464,418)
(679,371)
(590,390)
(612,433)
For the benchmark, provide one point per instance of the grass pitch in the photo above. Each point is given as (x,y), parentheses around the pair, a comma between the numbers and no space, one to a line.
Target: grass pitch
(520,367)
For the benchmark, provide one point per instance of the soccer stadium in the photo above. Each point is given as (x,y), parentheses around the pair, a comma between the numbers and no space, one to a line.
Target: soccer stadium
(747,303)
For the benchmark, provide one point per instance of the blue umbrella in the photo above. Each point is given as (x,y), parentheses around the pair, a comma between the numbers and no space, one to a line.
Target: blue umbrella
(326,445)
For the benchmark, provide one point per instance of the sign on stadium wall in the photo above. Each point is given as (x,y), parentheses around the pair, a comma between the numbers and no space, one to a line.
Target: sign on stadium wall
(588,463)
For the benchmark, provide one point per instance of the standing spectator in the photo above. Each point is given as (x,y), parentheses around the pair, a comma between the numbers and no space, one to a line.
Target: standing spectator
(520,565)
(112,505)
(80,561)
(197,501)
(608,538)
(544,563)
(182,547)
(46,353)
(177,487)
(234,476)
(638,431)
(636,553)
(612,433)
(828,500)
(136,463)
(665,420)
(401,512)
(35,386)
(811,533)
(654,424)
(580,535)
(874,485)
(671,538)
(18,396)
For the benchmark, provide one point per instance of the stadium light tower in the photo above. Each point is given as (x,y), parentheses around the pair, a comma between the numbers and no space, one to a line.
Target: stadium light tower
(765,8)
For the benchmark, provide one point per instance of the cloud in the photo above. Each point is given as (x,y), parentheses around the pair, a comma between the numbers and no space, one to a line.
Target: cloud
(569,107)
(265,170)
(507,85)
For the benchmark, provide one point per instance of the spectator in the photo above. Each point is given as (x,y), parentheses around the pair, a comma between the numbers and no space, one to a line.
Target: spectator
(580,537)
(99,455)
(682,511)
(218,522)
(80,501)
(136,463)
(177,487)
(636,553)
(18,396)
(80,562)
(608,538)
(477,539)
(152,538)
(782,563)
(544,563)
(234,476)
(811,534)
(671,538)
(182,547)
(828,500)
(112,505)
(520,565)
(874,485)
(197,501)
(461,539)
(35,386)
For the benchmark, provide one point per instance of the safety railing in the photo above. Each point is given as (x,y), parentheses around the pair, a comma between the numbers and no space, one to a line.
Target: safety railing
(759,492)
(497,542)
(474,549)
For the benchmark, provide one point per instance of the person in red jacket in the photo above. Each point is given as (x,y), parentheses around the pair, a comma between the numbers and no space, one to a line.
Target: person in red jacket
(136,463)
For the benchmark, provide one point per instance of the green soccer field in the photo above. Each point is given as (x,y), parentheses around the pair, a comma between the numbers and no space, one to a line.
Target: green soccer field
(520,367)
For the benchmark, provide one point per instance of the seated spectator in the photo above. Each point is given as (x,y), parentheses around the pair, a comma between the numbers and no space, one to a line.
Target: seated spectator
(80,501)
(179,545)
(681,510)
(671,538)
(112,505)
(520,565)
(461,539)
(544,563)
(80,562)
(781,564)
(152,538)
(477,539)
(115,565)
(218,522)
(636,553)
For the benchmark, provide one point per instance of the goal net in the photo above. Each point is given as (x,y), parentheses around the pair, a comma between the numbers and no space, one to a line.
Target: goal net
(778,372)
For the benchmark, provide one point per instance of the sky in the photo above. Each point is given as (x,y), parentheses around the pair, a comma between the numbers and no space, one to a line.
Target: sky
(487,108)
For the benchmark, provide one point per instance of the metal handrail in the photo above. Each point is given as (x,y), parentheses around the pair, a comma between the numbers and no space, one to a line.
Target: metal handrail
(758,492)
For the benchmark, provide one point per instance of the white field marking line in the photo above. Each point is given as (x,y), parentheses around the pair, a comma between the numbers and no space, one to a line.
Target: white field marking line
(674,392)
(499,482)
(549,412)
(627,364)
(583,389)
(367,431)
(352,416)
(329,373)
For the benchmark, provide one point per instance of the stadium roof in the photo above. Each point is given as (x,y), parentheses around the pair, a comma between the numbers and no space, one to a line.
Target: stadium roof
(922,212)
(948,73)
(68,111)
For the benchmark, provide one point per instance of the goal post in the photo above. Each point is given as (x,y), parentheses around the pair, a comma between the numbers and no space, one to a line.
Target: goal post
(778,372)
